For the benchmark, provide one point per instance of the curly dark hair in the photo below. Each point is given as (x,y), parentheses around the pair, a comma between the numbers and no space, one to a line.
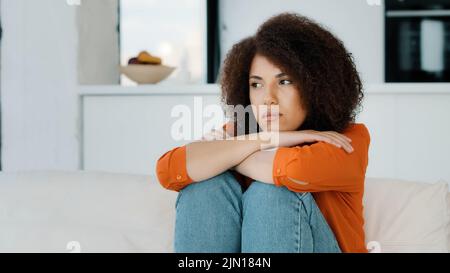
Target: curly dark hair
(320,66)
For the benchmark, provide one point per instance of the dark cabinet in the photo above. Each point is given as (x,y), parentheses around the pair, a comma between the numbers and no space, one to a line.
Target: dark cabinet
(417,41)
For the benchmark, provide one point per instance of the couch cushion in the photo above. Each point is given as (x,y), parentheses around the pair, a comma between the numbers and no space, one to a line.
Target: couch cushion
(102,212)
(106,212)
(406,216)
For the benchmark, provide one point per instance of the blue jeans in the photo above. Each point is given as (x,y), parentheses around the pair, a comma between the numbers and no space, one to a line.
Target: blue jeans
(215,215)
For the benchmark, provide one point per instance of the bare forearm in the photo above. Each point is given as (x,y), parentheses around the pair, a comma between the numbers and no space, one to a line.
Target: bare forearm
(258,166)
(209,158)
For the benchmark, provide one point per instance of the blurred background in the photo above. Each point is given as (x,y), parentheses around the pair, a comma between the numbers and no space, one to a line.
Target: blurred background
(69,101)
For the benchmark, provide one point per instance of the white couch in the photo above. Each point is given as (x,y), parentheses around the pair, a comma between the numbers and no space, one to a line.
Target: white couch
(55,211)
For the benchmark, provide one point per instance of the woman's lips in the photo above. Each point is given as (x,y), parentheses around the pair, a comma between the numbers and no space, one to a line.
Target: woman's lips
(271,116)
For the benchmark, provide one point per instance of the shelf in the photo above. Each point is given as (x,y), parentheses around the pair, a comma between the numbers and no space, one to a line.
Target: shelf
(408,88)
(149,90)
(214,89)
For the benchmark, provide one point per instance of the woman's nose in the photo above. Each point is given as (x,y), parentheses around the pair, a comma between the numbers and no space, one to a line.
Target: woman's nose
(270,97)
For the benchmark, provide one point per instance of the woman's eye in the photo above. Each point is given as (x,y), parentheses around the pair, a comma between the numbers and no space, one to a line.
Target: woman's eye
(258,85)
(285,81)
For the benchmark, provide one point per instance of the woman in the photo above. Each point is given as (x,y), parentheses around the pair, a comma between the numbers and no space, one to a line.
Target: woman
(304,196)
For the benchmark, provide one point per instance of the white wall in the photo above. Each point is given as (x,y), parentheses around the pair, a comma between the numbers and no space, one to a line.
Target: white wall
(39,85)
(98,53)
(359,25)
(409,132)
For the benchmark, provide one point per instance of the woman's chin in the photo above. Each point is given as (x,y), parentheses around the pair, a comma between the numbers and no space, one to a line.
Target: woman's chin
(271,128)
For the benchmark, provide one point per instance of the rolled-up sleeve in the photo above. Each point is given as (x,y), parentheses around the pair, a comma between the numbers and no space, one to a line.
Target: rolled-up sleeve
(171,169)
(322,166)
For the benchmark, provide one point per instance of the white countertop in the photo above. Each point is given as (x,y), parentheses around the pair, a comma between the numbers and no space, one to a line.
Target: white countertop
(150,89)
(214,89)
(408,88)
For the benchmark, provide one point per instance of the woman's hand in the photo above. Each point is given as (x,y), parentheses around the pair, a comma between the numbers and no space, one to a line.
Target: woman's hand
(293,138)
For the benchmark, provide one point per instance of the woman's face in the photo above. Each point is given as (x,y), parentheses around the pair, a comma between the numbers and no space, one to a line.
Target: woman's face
(275,100)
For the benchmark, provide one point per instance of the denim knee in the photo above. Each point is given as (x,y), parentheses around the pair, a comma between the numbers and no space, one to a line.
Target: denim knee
(215,183)
(279,220)
(261,190)
(208,216)
(221,184)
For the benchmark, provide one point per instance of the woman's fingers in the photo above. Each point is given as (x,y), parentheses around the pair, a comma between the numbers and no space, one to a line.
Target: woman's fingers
(331,138)
(335,141)
(345,139)
(327,139)
(341,139)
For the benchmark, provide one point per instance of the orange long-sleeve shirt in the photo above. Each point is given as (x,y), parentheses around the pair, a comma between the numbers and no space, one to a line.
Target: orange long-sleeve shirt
(334,177)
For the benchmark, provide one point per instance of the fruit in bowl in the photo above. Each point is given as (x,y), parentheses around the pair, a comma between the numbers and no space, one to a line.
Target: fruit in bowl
(146,69)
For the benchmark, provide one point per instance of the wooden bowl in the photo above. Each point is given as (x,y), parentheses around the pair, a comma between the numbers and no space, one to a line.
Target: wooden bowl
(147,73)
